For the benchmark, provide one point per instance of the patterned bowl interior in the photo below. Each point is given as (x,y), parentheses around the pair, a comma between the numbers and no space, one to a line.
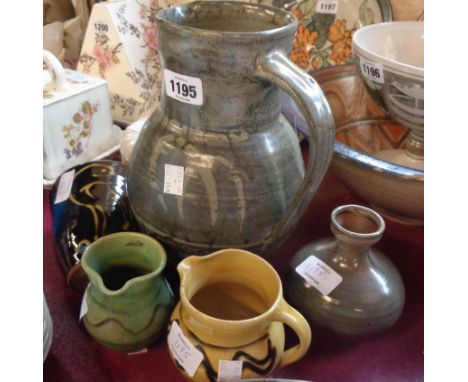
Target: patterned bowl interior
(372,135)
(360,123)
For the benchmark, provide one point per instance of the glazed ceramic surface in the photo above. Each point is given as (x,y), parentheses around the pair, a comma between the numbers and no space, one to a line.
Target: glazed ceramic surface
(390,59)
(368,295)
(77,123)
(224,168)
(128,299)
(325,29)
(120,45)
(232,309)
(97,205)
(363,130)
(396,191)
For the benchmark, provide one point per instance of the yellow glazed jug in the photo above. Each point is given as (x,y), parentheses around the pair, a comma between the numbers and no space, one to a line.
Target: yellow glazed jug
(229,322)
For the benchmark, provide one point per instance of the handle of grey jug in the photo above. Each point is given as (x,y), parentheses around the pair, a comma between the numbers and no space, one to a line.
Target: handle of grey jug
(307,94)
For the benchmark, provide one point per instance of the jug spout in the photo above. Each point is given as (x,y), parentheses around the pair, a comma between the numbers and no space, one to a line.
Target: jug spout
(124,262)
(190,266)
(128,300)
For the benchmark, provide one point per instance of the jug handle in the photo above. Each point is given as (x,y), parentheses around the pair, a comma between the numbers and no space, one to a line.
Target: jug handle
(291,317)
(307,94)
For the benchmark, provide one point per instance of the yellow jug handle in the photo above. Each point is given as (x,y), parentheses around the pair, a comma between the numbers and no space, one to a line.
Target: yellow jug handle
(291,317)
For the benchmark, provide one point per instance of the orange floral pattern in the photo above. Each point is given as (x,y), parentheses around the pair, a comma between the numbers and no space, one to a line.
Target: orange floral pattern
(304,43)
(341,39)
(336,50)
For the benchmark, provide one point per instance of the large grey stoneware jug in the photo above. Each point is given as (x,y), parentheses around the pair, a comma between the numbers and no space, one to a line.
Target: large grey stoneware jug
(218,165)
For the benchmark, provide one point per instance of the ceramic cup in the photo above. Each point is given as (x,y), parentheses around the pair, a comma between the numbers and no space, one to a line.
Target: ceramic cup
(232,309)
(129,301)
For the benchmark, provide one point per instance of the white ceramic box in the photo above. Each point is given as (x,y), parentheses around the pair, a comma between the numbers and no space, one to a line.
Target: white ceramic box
(77,121)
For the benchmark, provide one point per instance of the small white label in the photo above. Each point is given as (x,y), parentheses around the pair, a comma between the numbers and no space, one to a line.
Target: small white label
(319,275)
(372,71)
(101,27)
(84,305)
(183,88)
(183,351)
(64,187)
(327,6)
(173,179)
(229,371)
(145,350)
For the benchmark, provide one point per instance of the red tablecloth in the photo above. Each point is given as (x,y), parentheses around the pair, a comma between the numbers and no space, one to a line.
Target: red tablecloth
(395,355)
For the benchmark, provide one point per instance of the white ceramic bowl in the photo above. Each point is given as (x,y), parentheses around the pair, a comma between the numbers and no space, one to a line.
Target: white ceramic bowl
(390,60)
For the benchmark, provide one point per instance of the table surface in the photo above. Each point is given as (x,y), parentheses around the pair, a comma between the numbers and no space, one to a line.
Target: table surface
(395,355)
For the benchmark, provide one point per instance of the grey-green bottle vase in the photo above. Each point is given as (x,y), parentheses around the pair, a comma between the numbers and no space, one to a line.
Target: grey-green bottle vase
(371,295)
(128,299)
(217,165)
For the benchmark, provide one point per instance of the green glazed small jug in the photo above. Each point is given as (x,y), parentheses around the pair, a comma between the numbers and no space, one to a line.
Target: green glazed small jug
(128,299)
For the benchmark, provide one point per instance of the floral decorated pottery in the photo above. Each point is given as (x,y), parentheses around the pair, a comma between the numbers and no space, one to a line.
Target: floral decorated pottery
(324,37)
(128,300)
(343,283)
(230,319)
(325,29)
(362,130)
(120,45)
(390,60)
(88,202)
(77,123)
(219,166)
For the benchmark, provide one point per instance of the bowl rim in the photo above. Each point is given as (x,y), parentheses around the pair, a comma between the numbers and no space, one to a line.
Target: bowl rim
(399,67)
(361,159)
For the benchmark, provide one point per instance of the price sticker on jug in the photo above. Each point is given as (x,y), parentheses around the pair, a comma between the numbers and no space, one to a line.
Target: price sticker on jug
(229,371)
(183,350)
(183,88)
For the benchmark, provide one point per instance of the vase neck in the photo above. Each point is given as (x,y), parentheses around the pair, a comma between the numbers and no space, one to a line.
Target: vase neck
(350,255)
(356,229)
